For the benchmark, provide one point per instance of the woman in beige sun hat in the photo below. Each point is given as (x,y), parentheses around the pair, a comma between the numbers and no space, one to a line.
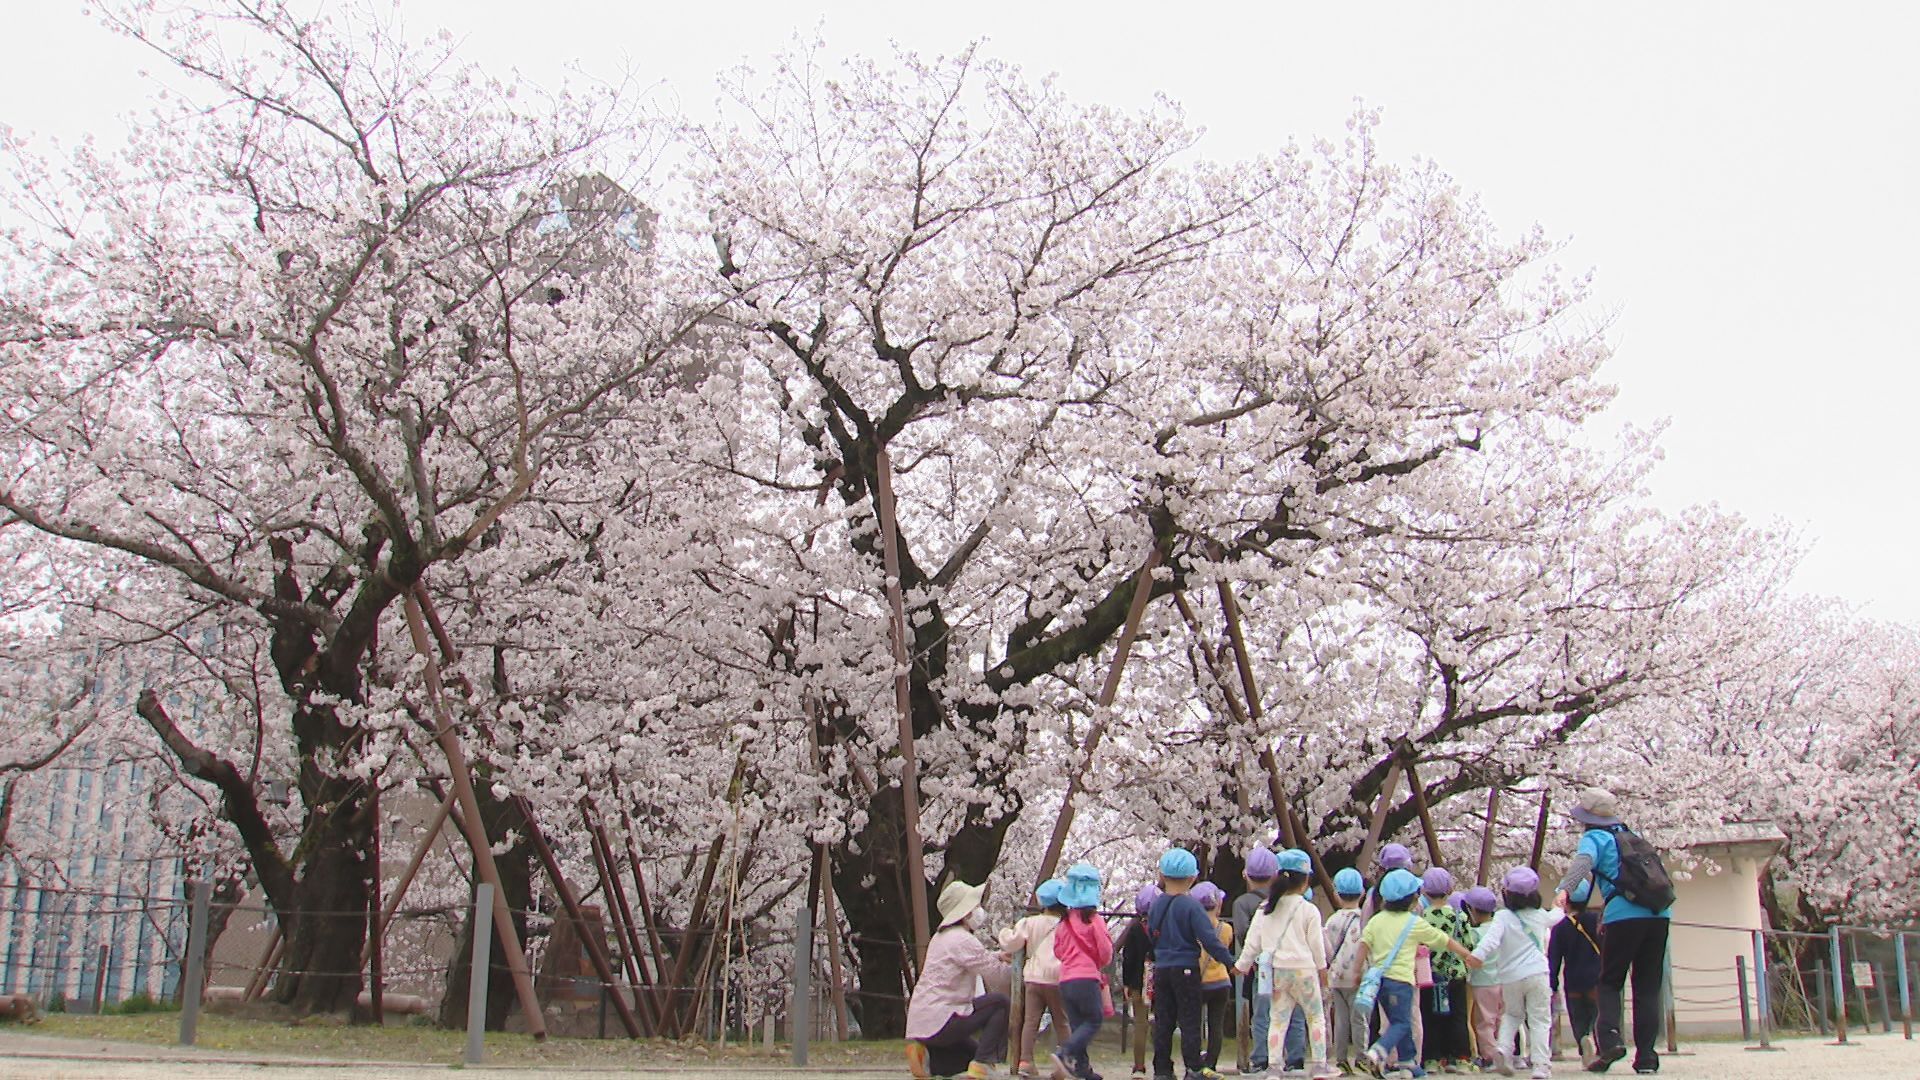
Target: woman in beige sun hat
(950,1030)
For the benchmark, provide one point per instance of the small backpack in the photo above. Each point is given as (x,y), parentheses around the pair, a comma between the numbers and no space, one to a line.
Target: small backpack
(1643,878)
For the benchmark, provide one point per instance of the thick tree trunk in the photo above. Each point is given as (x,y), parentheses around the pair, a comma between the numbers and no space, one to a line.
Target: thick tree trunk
(516,882)
(326,927)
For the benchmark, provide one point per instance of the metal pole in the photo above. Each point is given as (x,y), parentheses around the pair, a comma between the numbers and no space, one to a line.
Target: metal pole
(1762,1000)
(1906,997)
(196,962)
(477,982)
(375,945)
(801,1020)
(1746,1012)
(1839,989)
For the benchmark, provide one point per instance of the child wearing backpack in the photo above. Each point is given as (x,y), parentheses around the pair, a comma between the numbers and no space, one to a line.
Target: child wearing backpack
(1483,985)
(1216,986)
(1288,936)
(1573,966)
(1342,933)
(1387,950)
(1515,944)
(1082,946)
(1180,932)
(1136,955)
(1040,976)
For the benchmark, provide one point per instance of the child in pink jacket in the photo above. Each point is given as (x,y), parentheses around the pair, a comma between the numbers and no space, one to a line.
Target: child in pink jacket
(1083,947)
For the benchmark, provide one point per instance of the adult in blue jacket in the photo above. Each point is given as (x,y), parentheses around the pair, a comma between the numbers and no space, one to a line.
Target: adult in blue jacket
(1634,943)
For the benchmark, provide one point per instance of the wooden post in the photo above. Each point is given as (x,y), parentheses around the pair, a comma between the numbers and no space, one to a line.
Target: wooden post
(916,865)
(837,992)
(100,979)
(1419,794)
(406,876)
(689,941)
(462,784)
(1540,830)
(376,951)
(269,957)
(596,945)
(622,915)
(1486,838)
(1292,829)
(1388,789)
(654,948)
(1076,779)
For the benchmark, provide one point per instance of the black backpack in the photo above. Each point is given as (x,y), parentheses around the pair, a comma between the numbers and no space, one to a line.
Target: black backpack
(1643,877)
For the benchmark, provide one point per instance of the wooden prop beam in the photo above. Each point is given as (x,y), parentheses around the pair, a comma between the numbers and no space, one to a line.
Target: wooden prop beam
(570,901)
(1540,830)
(689,936)
(1388,789)
(654,948)
(269,959)
(1486,837)
(1293,829)
(462,786)
(622,916)
(400,887)
(916,864)
(837,992)
(1419,793)
(1076,780)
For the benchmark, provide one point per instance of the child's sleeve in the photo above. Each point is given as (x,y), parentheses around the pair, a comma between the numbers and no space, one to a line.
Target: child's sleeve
(1426,933)
(1490,938)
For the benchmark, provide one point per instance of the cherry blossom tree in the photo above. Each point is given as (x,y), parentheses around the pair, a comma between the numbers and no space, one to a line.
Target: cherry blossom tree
(318,329)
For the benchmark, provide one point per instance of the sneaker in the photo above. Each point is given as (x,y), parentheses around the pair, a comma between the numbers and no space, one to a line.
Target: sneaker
(1604,1060)
(979,1070)
(1647,1069)
(1371,1063)
(1061,1070)
(1321,1070)
(1542,1072)
(917,1061)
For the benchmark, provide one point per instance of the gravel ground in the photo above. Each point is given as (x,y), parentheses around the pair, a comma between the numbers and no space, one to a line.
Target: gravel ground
(1875,1057)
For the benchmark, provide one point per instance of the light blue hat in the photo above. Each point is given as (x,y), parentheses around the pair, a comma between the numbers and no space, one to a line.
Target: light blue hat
(1179,863)
(1399,885)
(1348,882)
(1049,892)
(1295,860)
(1083,886)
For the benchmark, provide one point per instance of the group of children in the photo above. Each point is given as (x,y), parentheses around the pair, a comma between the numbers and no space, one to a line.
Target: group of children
(1385,985)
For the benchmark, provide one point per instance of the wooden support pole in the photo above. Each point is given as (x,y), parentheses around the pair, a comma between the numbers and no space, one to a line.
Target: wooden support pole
(1076,780)
(269,957)
(570,902)
(1291,827)
(622,915)
(376,949)
(462,787)
(654,948)
(1540,830)
(689,937)
(916,864)
(837,993)
(413,867)
(1388,789)
(1486,837)
(1419,794)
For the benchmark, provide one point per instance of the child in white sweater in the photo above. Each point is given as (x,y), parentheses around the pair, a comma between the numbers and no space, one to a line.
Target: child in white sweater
(1287,932)
(1514,943)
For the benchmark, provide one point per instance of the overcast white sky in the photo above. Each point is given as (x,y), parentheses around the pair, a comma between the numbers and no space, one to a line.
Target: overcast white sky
(1742,178)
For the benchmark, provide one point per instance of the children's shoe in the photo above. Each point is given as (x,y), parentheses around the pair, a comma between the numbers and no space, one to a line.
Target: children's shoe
(1321,1070)
(979,1070)
(1371,1063)
(1542,1072)
(917,1060)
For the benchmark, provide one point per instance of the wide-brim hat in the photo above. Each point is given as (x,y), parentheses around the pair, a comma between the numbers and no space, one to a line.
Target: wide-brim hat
(1597,808)
(959,900)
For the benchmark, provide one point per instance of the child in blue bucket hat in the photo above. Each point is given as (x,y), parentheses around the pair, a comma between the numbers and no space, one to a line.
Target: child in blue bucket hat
(1179,930)
(1040,976)
(1347,1032)
(1083,947)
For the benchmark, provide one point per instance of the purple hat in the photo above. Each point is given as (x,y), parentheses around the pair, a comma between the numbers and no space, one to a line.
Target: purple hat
(1436,882)
(1208,894)
(1395,857)
(1144,899)
(1481,898)
(1522,879)
(1262,864)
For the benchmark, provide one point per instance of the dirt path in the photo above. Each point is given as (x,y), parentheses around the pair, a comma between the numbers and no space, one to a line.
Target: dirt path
(30,1057)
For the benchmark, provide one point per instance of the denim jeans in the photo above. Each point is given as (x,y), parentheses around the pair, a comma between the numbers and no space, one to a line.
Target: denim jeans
(1396,1039)
(1262,1015)
(1082,999)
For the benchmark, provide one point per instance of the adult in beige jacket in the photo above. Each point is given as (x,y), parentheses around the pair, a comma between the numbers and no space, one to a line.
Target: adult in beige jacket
(951,1031)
